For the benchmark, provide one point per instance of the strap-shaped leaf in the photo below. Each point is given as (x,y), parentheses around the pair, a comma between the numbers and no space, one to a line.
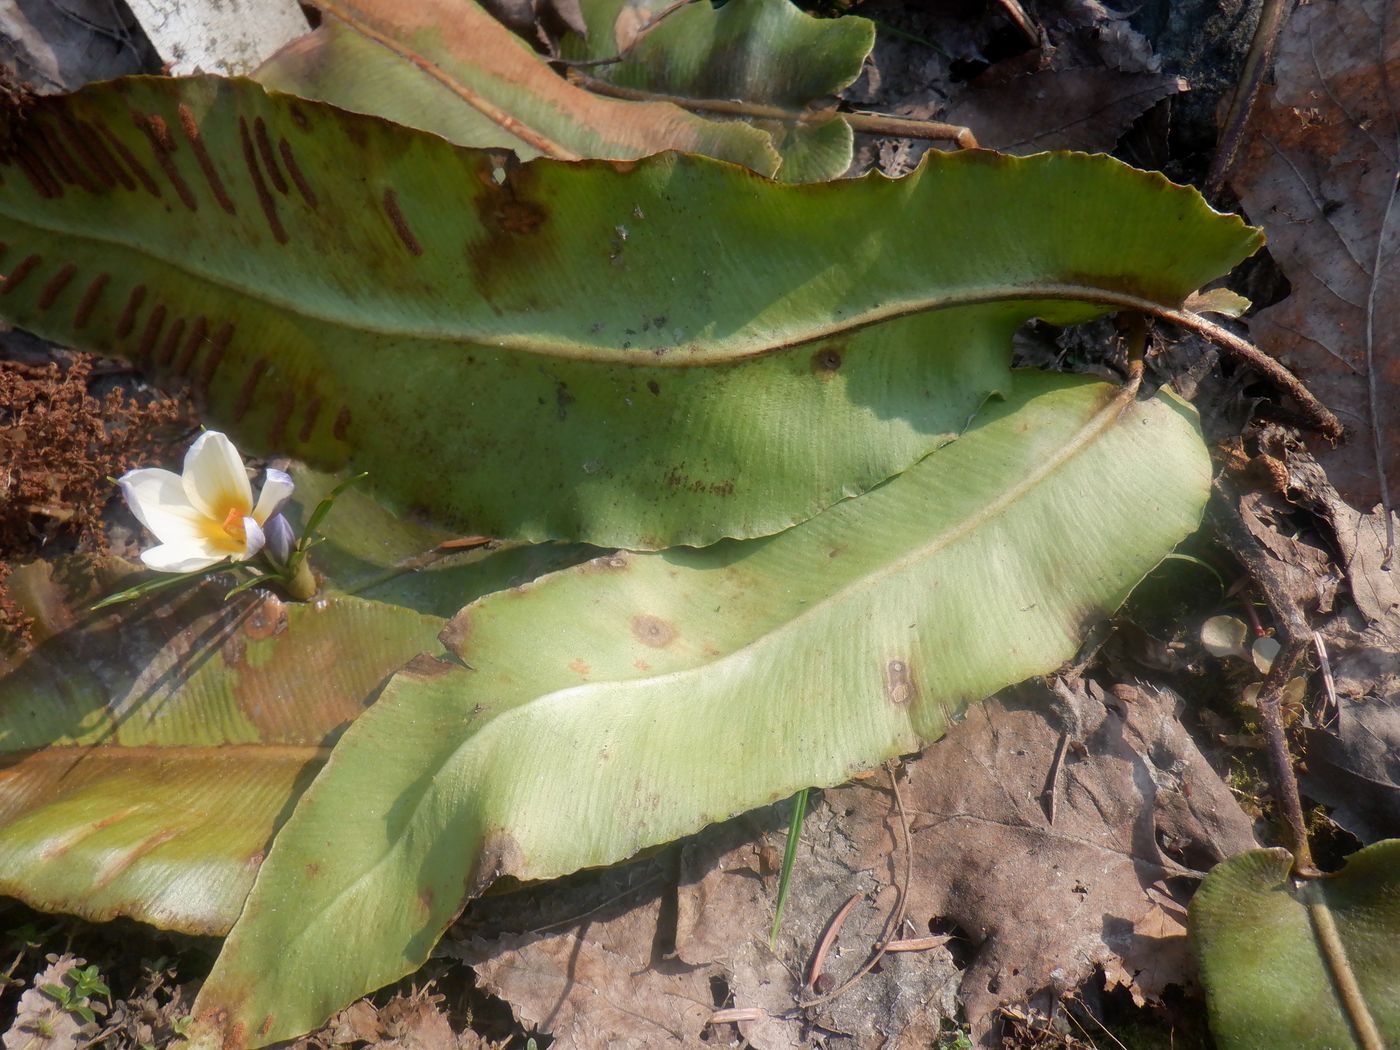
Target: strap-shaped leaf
(635,698)
(1301,962)
(668,352)
(760,51)
(148,754)
(448,67)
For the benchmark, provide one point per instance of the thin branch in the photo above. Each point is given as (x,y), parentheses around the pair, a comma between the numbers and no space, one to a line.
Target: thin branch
(1372,388)
(869,123)
(1272,16)
(1318,415)
(1284,783)
(646,27)
(896,918)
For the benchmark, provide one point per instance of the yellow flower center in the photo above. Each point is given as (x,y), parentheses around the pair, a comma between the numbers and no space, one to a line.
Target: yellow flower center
(233,525)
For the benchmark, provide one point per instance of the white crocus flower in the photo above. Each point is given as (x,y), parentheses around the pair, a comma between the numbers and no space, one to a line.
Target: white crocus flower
(205,515)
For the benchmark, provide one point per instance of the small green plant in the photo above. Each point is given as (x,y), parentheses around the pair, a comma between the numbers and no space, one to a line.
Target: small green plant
(76,997)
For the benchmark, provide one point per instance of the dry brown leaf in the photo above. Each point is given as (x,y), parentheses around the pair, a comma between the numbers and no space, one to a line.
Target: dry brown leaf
(1318,171)
(40,1022)
(1093,78)
(1025,110)
(652,966)
(1137,810)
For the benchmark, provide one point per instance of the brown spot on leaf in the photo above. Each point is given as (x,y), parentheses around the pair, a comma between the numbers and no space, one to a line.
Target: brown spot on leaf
(653,631)
(579,667)
(268,618)
(340,429)
(500,855)
(826,361)
(899,682)
(312,870)
(654,386)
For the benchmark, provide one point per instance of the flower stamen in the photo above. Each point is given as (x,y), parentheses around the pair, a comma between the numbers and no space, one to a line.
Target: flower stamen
(233,525)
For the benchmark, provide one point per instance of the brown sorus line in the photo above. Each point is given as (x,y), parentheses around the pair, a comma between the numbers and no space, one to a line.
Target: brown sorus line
(26,266)
(216,354)
(127,321)
(244,400)
(83,146)
(303,187)
(129,159)
(269,207)
(401,227)
(161,145)
(198,331)
(206,163)
(308,424)
(269,158)
(89,300)
(56,284)
(166,354)
(146,347)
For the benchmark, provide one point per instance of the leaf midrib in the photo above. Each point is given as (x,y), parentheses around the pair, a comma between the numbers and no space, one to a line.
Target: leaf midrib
(1103,420)
(678,358)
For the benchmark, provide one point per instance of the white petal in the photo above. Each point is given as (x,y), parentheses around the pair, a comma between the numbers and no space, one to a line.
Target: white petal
(157,499)
(180,557)
(214,480)
(254,539)
(277,489)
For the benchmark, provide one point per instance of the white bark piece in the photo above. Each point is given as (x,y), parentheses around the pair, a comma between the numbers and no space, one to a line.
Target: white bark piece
(219,36)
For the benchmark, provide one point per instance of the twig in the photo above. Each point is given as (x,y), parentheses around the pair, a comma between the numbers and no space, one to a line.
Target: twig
(646,27)
(1372,391)
(828,938)
(1329,685)
(1272,15)
(1284,783)
(869,123)
(896,917)
(1316,413)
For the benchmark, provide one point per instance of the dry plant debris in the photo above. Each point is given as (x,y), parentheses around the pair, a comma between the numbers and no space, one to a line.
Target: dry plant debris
(1318,171)
(58,446)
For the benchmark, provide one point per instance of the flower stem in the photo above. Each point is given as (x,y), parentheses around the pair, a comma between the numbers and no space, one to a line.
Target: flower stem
(301,582)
